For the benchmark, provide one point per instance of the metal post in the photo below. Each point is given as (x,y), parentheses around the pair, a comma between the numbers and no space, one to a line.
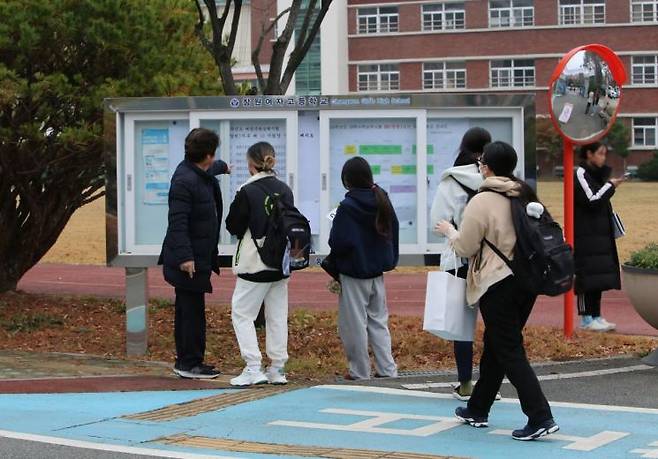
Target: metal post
(568,228)
(136,311)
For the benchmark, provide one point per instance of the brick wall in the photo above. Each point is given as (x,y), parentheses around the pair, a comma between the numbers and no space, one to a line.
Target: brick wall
(477,15)
(261,13)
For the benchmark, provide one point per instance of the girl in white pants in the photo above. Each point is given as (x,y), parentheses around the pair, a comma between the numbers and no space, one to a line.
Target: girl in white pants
(258,283)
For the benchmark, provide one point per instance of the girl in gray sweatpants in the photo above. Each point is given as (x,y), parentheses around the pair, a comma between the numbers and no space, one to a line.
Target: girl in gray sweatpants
(364,244)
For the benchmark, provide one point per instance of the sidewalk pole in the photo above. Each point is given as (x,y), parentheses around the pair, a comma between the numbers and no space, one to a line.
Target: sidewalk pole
(568,228)
(136,311)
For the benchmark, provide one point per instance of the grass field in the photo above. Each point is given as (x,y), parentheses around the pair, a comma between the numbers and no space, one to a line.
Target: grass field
(83,240)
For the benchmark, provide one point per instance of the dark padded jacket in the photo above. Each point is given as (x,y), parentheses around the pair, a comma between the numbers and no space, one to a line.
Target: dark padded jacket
(595,251)
(356,247)
(195,215)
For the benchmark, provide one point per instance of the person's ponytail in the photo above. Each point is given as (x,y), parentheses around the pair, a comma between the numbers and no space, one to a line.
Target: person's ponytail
(262,156)
(384,217)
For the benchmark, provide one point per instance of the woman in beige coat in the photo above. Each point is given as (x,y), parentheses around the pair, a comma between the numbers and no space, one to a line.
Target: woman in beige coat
(504,304)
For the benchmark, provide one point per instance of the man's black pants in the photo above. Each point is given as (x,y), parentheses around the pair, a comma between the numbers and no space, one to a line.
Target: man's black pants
(190,328)
(505,308)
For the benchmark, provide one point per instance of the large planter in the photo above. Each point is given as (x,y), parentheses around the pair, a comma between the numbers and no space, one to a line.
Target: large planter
(641,286)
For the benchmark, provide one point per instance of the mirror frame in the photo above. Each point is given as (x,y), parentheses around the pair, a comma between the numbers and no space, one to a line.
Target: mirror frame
(618,73)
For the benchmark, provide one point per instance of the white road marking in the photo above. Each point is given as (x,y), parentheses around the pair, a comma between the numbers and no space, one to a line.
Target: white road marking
(107,447)
(421,394)
(377,419)
(651,453)
(578,443)
(552,377)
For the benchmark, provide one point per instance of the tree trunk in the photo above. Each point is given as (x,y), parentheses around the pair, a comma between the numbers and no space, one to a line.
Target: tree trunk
(8,279)
(226,72)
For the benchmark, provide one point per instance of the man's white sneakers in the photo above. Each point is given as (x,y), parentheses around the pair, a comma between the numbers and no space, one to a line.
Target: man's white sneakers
(249,377)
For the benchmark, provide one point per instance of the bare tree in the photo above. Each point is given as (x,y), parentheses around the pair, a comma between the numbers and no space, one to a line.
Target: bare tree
(220,43)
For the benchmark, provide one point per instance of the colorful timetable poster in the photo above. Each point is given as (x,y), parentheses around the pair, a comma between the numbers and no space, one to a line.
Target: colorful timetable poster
(155,151)
(389,145)
(245,133)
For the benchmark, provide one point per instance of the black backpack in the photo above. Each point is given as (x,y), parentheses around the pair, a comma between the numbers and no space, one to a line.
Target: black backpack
(287,237)
(543,261)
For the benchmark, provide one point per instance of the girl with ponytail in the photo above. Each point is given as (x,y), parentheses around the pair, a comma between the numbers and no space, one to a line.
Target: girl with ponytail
(364,245)
(258,283)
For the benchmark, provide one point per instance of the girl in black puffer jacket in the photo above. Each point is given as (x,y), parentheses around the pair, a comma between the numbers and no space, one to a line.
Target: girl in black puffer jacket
(595,251)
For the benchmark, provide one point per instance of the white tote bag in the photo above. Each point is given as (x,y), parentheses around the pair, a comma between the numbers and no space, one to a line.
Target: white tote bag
(446,313)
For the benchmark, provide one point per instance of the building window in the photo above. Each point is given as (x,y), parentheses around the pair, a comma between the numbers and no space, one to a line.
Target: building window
(444,16)
(644,132)
(644,10)
(378,20)
(444,75)
(510,73)
(582,12)
(383,77)
(511,13)
(644,69)
(308,74)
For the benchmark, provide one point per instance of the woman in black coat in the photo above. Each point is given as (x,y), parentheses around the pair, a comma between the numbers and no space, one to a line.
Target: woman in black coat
(595,251)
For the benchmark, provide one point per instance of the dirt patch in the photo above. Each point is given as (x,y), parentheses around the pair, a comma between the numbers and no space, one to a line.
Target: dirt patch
(93,326)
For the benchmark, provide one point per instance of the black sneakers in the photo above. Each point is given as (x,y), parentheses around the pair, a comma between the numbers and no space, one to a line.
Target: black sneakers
(533,432)
(199,372)
(465,416)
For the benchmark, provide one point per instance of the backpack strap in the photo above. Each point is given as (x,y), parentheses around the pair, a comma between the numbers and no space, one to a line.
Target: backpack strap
(497,251)
(264,189)
(469,191)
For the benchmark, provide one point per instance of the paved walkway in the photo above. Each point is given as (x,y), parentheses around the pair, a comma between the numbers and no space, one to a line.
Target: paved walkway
(375,420)
(405,291)
(52,372)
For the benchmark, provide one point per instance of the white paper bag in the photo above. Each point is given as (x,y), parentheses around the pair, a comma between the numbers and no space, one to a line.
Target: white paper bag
(446,313)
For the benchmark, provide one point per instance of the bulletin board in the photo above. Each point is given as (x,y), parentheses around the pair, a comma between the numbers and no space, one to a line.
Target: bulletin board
(408,139)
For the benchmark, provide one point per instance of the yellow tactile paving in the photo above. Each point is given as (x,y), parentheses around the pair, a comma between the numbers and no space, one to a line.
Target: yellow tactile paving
(207,404)
(222,444)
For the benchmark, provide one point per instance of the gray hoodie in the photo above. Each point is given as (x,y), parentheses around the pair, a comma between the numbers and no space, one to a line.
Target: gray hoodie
(449,203)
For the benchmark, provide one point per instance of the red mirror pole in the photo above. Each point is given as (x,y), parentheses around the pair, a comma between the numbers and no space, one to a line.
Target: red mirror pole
(568,228)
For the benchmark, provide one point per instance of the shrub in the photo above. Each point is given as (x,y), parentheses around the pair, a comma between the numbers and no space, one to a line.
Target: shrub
(649,170)
(646,258)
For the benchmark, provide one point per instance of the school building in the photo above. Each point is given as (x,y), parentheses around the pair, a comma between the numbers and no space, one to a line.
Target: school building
(473,46)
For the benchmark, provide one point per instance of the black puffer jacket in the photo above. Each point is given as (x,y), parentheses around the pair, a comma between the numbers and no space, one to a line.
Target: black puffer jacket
(597,262)
(195,214)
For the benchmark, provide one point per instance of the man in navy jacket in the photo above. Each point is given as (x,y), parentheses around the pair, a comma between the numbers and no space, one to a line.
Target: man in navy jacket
(189,252)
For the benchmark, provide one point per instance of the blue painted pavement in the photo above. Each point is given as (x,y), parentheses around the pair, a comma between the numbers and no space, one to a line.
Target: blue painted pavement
(337,416)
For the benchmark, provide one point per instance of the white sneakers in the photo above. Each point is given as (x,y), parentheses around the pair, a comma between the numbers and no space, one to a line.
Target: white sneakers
(252,377)
(249,377)
(598,324)
(276,376)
